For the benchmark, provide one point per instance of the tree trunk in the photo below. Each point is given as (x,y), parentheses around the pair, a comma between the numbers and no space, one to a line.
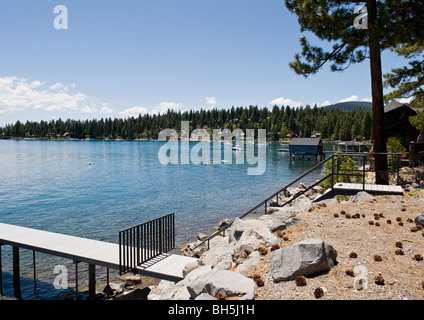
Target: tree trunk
(377,96)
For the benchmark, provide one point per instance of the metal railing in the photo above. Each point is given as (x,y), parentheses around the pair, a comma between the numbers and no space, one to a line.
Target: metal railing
(334,175)
(145,241)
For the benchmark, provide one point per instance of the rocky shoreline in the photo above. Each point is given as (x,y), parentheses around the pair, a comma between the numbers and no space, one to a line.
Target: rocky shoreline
(345,248)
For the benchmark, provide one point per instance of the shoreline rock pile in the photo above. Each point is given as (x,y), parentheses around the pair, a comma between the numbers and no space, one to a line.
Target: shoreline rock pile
(259,256)
(225,269)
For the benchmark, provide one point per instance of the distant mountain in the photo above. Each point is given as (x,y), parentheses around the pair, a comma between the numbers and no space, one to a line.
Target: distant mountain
(350,106)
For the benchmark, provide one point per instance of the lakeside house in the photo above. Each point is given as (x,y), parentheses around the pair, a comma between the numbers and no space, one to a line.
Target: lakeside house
(306,148)
(397,123)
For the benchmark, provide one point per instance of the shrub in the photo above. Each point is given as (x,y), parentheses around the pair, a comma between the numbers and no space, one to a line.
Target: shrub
(344,163)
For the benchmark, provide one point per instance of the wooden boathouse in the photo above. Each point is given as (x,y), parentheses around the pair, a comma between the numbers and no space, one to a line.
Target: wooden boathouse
(306,148)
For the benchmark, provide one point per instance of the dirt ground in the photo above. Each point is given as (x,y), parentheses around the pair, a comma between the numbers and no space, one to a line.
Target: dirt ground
(377,236)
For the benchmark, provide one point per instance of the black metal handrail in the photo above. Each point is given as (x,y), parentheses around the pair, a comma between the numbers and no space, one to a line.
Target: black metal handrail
(145,241)
(334,173)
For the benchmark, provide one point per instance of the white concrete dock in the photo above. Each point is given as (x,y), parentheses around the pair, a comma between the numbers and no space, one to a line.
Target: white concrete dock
(165,266)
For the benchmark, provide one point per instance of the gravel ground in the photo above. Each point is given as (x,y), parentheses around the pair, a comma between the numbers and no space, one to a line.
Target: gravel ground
(340,226)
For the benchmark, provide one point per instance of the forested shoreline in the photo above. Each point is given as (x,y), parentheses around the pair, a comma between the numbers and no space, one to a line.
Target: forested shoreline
(279,122)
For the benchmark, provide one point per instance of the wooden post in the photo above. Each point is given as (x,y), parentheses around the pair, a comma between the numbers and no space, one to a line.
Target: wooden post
(332,172)
(76,279)
(412,154)
(1,274)
(33,263)
(107,275)
(91,281)
(363,173)
(16,275)
(399,163)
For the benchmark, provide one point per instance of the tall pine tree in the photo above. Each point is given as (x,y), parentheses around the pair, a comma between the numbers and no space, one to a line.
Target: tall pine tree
(389,23)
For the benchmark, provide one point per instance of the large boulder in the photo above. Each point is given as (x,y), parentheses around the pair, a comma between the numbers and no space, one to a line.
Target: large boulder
(250,263)
(291,193)
(419,219)
(249,235)
(278,220)
(303,203)
(168,290)
(362,196)
(308,257)
(221,248)
(251,227)
(230,283)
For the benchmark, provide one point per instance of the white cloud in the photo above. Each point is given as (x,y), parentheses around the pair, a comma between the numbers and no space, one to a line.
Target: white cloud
(282,101)
(211,101)
(18,94)
(325,103)
(351,98)
(60,85)
(406,100)
(36,84)
(164,106)
(133,112)
(106,109)
(366,100)
(57,85)
(160,108)
(88,109)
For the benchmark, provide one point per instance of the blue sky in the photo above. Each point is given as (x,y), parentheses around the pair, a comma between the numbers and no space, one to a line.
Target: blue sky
(120,58)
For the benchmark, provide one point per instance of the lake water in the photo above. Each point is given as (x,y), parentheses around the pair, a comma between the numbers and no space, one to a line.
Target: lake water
(93,189)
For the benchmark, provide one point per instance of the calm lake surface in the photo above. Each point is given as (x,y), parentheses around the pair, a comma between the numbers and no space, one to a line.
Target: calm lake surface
(93,189)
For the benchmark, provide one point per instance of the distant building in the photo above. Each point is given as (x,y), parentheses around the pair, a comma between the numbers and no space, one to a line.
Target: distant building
(306,148)
(397,123)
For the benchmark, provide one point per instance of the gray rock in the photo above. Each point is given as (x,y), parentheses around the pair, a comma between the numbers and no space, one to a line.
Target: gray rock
(113,289)
(419,219)
(195,280)
(189,250)
(252,239)
(293,221)
(327,201)
(132,280)
(181,294)
(250,263)
(197,273)
(251,227)
(277,220)
(231,283)
(189,267)
(220,249)
(303,203)
(308,257)
(224,262)
(202,236)
(362,196)
(273,224)
(204,296)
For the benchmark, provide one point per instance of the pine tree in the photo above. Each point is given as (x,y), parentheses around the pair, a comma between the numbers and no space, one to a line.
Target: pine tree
(366,128)
(334,21)
(408,81)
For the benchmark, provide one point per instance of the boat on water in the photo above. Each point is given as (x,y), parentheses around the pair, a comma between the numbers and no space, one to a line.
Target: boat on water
(237,148)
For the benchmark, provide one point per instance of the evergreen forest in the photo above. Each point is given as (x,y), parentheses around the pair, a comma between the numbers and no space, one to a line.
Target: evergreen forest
(279,123)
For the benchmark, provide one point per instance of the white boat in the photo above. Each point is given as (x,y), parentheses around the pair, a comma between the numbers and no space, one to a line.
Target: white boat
(237,148)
